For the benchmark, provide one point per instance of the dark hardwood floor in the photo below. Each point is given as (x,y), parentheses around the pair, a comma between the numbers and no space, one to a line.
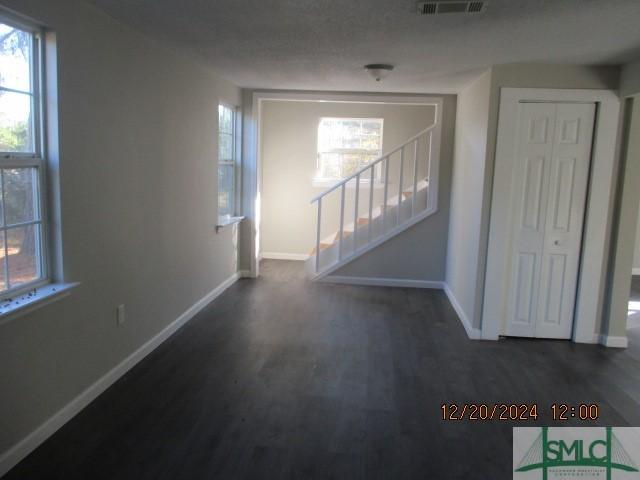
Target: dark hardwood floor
(280,378)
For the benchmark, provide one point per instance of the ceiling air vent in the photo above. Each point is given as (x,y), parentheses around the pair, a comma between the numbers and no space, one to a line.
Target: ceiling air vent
(449,6)
(427,8)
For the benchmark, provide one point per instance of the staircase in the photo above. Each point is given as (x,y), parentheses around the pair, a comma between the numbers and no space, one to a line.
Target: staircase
(377,202)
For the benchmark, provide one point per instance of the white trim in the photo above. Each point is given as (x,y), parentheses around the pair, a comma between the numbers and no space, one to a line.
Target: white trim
(615,342)
(635,271)
(592,273)
(472,333)
(387,99)
(15,454)
(225,222)
(383,282)
(38,298)
(283,256)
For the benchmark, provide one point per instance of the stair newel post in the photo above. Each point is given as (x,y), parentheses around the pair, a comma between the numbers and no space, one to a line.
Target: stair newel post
(400,181)
(415,177)
(355,215)
(340,246)
(318,235)
(373,177)
(386,191)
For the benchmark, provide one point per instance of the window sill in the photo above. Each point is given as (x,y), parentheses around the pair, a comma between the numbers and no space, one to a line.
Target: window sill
(33,300)
(225,222)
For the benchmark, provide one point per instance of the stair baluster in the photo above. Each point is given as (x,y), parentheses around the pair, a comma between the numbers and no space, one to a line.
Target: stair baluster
(318,235)
(371,201)
(355,215)
(340,245)
(400,183)
(415,177)
(378,229)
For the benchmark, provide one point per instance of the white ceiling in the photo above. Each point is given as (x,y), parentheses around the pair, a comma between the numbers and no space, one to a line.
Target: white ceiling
(323,44)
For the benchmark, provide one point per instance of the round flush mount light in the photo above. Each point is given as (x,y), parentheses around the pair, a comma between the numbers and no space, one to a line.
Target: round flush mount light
(378,71)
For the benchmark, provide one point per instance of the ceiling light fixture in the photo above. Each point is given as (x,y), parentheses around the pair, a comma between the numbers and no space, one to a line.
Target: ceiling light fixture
(378,71)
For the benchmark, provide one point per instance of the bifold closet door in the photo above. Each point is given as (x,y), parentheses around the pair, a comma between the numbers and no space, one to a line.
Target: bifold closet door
(548,194)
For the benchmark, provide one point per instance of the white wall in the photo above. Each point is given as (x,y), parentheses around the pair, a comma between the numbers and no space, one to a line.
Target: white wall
(636,253)
(138,152)
(467,191)
(289,159)
(630,85)
(623,246)
(630,79)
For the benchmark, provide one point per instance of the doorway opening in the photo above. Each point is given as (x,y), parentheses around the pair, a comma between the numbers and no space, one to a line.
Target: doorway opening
(306,143)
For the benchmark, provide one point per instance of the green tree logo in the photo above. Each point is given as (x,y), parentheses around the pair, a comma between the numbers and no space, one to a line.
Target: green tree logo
(607,453)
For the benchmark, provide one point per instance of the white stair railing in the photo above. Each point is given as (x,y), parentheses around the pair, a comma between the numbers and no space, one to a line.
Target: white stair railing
(384,162)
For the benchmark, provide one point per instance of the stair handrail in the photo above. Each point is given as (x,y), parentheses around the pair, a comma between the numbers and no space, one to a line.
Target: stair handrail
(375,162)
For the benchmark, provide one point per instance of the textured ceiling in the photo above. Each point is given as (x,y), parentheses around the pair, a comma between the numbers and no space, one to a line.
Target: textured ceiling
(323,44)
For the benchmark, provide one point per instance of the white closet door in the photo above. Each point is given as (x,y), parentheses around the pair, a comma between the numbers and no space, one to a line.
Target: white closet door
(548,193)
(529,191)
(568,180)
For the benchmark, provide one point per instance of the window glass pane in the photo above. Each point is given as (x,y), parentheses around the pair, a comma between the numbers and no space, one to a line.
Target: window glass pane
(226,182)
(367,159)
(3,277)
(15,58)
(330,165)
(20,187)
(1,208)
(225,189)
(16,133)
(225,119)
(346,144)
(24,252)
(350,164)
(225,147)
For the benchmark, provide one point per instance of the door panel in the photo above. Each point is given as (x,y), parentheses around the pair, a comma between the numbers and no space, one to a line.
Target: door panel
(528,198)
(563,193)
(532,190)
(525,279)
(553,284)
(548,193)
(563,229)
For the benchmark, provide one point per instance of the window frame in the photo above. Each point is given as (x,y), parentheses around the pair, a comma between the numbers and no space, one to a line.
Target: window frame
(36,159)
(320,180)
(234,160)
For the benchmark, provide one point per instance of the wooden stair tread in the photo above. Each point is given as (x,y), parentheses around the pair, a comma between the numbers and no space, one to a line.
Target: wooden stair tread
(323,246)
(345,234)
(392,202)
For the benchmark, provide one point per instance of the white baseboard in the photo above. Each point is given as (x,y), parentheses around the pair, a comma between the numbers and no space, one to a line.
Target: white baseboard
(284,256)
(15,454)
(615,342)
(635,271)
(381,282)
(472,333)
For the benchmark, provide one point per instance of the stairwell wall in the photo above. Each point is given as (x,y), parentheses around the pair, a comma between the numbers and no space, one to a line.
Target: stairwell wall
(467,193)
(418,253)
(289,161)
